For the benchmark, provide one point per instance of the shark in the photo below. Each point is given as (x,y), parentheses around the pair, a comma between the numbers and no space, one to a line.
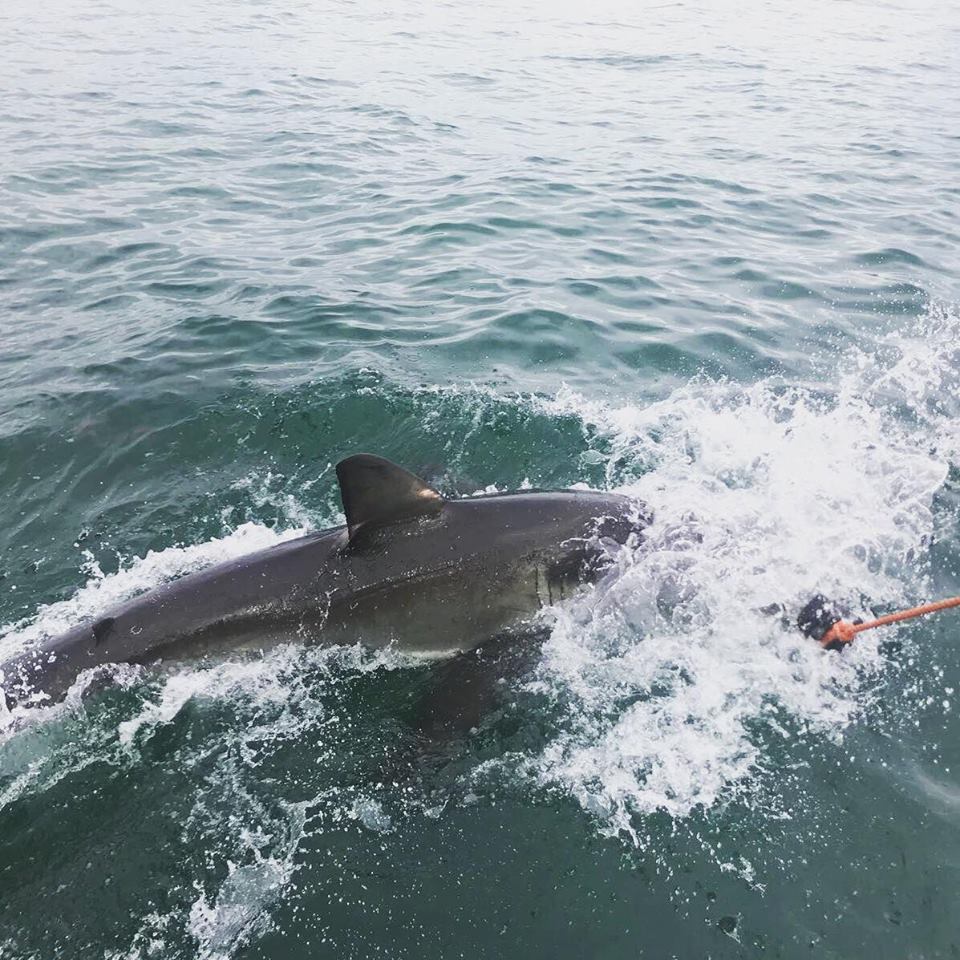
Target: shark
(410,568)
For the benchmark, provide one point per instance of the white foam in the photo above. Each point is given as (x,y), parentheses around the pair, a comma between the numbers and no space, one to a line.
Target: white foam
(761,494)
(273,679)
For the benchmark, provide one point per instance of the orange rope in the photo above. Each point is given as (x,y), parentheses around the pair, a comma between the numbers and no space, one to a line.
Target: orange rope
(844,632)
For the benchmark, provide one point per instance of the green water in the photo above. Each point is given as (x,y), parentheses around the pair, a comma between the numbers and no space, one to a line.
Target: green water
(701,254)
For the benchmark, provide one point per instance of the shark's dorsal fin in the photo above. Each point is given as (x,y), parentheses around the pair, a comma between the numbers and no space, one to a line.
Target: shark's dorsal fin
(375,491)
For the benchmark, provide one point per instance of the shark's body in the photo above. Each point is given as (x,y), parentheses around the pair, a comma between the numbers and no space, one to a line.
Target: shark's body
(410,568)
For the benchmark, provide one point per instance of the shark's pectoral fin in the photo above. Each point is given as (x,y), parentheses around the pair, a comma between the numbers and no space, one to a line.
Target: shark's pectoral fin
(376,491)
(467,688)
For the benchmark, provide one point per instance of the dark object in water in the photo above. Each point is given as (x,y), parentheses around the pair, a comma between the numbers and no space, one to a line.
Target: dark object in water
(818,616)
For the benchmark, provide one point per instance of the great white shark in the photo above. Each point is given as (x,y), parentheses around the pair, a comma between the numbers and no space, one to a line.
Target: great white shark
(411,568)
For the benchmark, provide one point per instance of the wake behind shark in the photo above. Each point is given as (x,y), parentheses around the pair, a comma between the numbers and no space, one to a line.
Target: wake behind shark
(410,568)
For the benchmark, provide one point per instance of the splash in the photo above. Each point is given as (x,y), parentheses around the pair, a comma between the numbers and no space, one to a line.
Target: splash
(239,911)
(762,495)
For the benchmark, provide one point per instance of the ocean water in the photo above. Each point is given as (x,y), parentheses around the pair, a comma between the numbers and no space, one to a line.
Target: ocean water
(702,253)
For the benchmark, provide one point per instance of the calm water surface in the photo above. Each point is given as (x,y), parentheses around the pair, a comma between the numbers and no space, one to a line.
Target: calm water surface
(703,254)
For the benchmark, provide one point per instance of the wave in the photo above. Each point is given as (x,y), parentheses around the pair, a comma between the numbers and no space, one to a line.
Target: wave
(662,686)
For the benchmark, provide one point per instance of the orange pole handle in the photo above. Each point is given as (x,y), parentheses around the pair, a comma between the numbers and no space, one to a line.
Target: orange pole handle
(844,632)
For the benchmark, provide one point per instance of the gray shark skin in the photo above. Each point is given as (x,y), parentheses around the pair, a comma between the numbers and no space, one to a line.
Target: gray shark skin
(410,568)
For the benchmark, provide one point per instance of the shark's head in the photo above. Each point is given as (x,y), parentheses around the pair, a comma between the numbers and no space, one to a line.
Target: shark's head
(592,530)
